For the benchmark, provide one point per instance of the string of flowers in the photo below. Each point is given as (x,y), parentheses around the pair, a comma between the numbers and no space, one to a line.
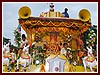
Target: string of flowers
(68,40)
(91,38)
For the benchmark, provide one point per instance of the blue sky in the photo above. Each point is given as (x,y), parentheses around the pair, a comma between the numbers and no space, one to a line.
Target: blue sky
(10,13)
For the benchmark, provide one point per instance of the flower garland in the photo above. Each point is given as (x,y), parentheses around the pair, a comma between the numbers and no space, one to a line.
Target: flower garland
(91,38)
(68,40)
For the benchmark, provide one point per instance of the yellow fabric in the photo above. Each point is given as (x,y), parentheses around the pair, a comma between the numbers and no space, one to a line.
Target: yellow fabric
(74,44)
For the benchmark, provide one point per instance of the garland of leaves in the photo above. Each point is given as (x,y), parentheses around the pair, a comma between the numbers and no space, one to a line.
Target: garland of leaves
(40,56)
(17,34)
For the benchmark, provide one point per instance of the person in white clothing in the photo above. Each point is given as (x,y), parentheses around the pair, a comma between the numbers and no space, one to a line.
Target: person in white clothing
(6,48)
(23,41)
(89,50)
(63,50)
(26,49)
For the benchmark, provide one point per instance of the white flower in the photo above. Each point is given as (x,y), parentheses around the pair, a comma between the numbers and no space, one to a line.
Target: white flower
(37,61)
(90,36)
(87,42)
(74,63)
(68,51)
(68,36)
(69,40)
(92,30)
(94,34)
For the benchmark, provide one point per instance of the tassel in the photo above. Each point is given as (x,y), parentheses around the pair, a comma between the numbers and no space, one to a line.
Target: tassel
(42,69)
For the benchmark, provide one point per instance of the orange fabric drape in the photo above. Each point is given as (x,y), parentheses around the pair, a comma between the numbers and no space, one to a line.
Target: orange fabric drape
(30,37)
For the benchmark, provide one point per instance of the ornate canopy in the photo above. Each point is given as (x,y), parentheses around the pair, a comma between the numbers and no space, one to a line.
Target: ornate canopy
(42,25)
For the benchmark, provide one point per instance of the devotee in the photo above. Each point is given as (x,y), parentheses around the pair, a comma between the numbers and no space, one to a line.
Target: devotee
(63,50)
(66,13)
(24,40)
(61,45)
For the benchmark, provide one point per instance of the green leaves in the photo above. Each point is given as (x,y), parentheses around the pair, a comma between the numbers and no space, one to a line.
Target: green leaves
(17,35)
